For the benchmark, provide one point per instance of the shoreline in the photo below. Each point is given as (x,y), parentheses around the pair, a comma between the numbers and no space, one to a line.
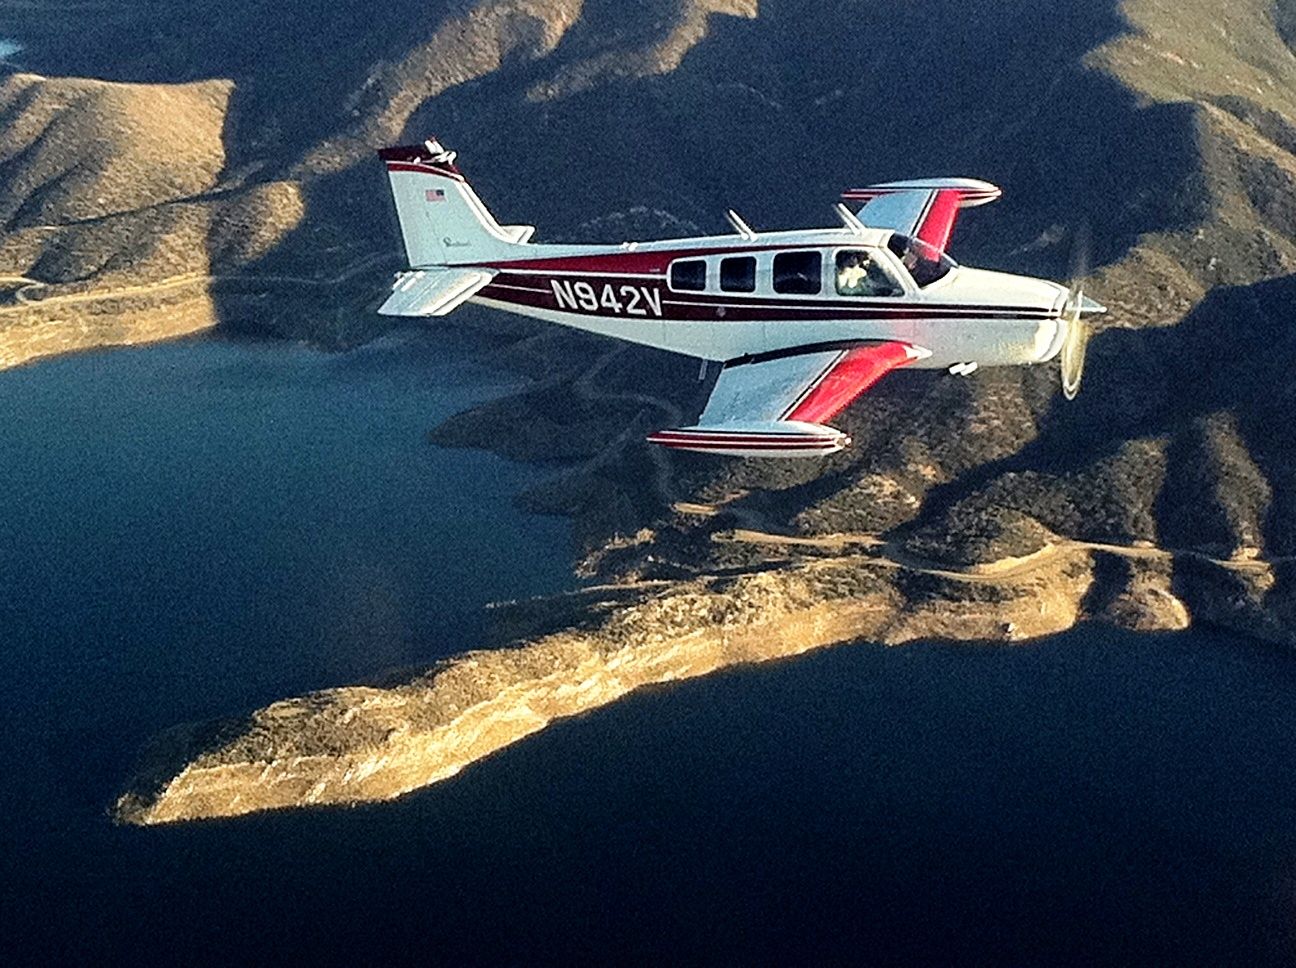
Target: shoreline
(365,744)
(154,312)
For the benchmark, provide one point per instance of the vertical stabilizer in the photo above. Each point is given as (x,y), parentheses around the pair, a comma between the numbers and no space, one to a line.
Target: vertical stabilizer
(442,219)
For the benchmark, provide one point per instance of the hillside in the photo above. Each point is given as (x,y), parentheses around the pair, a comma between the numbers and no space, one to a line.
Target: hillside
(1172,148)
(193,175)
(219,173)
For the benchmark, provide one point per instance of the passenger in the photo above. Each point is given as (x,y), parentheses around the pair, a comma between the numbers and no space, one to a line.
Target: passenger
(852,271)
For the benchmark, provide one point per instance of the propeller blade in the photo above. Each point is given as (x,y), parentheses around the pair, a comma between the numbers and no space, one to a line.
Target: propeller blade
(1077,307)
(1077,342)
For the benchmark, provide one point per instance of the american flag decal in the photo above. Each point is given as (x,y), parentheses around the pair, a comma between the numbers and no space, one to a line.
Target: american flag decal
(436,195)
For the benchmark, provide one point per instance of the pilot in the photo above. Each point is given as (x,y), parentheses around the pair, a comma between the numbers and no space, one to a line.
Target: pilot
(852,271)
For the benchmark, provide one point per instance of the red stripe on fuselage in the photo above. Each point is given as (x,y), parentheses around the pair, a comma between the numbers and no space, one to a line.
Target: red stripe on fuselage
(651,263)
(868,194)
(536,291)
(719,437)
(762,447)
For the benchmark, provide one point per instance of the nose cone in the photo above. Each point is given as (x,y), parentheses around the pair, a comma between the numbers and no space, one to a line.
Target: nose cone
(1090,308)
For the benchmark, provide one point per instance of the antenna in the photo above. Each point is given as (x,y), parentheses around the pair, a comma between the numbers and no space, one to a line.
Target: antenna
(742,227)
(850,220)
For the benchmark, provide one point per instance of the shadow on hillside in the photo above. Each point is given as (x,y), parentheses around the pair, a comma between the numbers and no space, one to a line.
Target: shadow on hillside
(1233,358)
(1233,355)
(297,65)
(742,122)
(774,115)
(1236,355)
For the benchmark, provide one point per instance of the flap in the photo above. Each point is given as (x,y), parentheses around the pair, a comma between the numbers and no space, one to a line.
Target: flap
(809,387)
(777,405)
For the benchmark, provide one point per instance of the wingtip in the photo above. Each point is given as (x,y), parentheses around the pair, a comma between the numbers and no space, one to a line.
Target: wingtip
(780,439)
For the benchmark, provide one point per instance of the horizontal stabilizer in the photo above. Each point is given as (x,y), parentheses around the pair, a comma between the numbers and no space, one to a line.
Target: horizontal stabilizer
(433,292)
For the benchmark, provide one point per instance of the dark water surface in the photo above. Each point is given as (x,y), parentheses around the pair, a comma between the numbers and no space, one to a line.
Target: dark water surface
(196,528)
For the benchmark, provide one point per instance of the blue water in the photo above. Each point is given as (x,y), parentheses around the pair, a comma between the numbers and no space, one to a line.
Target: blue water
(191,529)
(222,520)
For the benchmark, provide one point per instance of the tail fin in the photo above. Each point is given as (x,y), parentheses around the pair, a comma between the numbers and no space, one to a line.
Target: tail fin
(442,219)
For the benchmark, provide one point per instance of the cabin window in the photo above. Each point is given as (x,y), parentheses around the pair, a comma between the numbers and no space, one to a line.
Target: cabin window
(798,273)
(689,276)
(738,274)
(861,273)
(926,263)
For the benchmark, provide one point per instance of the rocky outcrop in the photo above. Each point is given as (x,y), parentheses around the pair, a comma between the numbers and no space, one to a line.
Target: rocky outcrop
(367,743)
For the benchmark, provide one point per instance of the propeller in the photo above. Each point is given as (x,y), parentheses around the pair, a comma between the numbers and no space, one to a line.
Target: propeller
(1073,348)
(1077,330)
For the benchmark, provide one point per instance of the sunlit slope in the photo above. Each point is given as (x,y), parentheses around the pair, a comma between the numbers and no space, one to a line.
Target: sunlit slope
(113,214)
(204,140)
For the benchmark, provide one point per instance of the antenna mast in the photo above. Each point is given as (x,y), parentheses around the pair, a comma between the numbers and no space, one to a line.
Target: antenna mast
(740,226)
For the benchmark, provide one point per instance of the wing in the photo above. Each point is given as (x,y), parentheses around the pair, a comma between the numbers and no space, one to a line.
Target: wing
(925,209)
(433,292)
(776,406)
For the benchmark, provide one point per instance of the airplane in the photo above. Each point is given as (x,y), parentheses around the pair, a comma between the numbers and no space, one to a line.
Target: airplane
(802,322)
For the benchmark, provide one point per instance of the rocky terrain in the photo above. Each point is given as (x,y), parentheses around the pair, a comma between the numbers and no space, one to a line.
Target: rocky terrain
(215,170)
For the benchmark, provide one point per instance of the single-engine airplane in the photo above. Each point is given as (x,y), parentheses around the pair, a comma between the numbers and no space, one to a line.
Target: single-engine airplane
(802,321)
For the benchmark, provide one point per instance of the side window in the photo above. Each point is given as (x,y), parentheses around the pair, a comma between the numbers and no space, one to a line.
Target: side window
(688,276)
(738,274)
(860,274)
(798,273)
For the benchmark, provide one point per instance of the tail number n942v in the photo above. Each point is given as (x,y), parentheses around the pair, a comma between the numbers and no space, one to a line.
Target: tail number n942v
(609,298)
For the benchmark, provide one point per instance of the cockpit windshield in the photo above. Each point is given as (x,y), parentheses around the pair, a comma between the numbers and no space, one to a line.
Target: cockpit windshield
(926,263)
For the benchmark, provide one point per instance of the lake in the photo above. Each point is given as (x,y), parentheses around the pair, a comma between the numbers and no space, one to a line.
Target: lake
(193,529)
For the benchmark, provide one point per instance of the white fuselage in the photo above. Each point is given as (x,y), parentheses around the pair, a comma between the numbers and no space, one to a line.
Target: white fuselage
(746,301)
